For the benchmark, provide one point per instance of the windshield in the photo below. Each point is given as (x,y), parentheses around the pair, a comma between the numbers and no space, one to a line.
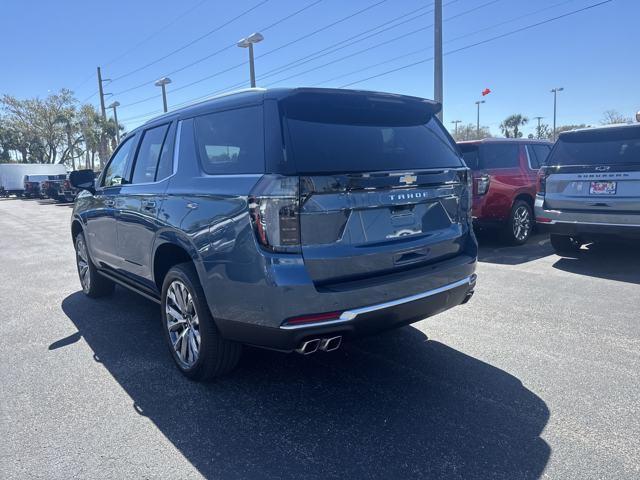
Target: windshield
(362,134)
(598,147)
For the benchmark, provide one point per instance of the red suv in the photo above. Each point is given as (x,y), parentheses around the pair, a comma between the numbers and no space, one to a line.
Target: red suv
(504,183)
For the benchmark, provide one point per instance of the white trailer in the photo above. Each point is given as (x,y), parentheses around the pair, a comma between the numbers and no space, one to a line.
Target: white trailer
(12,174)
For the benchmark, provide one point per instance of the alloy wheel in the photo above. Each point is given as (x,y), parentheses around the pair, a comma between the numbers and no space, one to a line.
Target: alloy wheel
(182,323)
(82,259)
(521,223)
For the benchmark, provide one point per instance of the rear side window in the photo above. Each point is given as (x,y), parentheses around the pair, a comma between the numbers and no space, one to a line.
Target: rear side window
(347,133)
(499,155)
(538,155)
(598,147)
(231,142)
(149,154)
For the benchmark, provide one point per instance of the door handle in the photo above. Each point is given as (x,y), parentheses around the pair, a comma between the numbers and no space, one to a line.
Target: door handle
(148,204)
(109,203)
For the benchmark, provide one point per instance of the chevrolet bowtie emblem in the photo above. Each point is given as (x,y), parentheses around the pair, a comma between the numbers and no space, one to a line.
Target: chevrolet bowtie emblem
(408,179)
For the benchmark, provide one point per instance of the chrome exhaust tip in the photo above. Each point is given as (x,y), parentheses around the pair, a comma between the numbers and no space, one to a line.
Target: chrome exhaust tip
(309,347)
(330,344)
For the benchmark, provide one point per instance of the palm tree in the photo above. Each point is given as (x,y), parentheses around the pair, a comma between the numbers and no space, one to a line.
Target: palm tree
(510,126)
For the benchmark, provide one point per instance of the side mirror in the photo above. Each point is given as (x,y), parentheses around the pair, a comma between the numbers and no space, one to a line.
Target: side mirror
(83,179)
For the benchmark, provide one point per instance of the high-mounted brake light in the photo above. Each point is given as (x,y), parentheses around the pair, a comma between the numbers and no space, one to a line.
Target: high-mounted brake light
(274,209)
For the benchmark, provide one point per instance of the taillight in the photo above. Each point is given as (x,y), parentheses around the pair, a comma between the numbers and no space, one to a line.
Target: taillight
(482,184)
(542,181)
(67,184)
(274,209)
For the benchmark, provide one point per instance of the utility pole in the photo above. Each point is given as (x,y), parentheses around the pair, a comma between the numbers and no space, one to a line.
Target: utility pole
(555,102)
(538,131)
(437,55)
(478,118)
(456,122)
(101,92)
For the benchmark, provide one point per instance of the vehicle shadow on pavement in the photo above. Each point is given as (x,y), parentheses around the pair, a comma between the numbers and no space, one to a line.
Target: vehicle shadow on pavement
(494,250)
(611,261)
(393,406)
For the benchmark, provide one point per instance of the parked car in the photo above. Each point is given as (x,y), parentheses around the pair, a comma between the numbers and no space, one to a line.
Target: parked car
(52,186)
(287,219)
(590,189)
(61,189)
(12,174)
(504,183)
(33,186)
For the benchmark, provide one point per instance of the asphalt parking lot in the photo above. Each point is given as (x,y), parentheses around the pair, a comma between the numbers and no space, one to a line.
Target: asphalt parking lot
(537,377)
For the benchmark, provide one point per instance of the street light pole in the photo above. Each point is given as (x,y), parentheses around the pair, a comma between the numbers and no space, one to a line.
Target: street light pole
(437,56)
(115,105)
(555,102)
(163,82)
(478,118)
(456,122)
(248,42)
(538,131)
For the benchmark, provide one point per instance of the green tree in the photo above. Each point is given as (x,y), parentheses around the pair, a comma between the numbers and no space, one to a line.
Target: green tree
(510,126)
(470,132)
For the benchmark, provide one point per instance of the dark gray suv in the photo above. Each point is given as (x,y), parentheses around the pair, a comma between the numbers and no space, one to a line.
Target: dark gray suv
(287,219)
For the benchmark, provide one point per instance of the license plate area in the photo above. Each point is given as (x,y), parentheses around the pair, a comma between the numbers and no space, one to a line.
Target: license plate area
(603,188)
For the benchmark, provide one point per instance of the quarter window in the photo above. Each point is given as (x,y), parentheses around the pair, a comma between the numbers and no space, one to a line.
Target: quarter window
(499,155)
(538,155)
(114,173)
(231,141)
(149,154)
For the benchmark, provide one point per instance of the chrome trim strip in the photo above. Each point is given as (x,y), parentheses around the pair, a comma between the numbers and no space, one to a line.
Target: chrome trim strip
(350,315)
(553,222)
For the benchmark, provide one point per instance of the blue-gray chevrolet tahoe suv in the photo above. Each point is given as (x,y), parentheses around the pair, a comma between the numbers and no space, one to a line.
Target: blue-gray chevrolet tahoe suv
(287,219)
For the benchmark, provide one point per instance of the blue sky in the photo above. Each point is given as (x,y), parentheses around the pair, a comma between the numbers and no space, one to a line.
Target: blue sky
(593,54)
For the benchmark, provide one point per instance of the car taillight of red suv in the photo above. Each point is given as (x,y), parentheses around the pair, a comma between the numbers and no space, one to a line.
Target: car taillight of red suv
(505,180)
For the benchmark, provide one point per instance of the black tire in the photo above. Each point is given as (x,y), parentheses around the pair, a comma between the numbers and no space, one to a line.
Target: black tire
(93,284)
(215,355)
(520,225)
(565,245)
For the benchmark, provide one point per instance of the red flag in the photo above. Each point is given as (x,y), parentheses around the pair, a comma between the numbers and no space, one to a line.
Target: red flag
(486,91)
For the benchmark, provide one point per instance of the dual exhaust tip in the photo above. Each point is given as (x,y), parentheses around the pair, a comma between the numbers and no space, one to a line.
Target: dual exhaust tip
(325,344)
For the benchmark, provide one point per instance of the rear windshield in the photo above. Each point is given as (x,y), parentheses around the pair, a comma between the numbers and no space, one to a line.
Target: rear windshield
(599,147)
(347,133)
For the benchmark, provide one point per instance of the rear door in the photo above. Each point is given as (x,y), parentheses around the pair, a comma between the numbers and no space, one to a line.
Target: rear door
(141,198)
(595,171)
(382,187)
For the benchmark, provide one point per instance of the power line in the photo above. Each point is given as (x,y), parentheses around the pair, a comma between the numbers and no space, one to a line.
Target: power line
(153,34)
(466,47)
(223,49)
(325,27)
(188,44)
(482,42)
(424,49)
(395,39)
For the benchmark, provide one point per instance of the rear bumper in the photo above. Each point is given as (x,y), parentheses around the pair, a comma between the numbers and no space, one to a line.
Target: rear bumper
(356,322)
(590,230)
(587,224)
